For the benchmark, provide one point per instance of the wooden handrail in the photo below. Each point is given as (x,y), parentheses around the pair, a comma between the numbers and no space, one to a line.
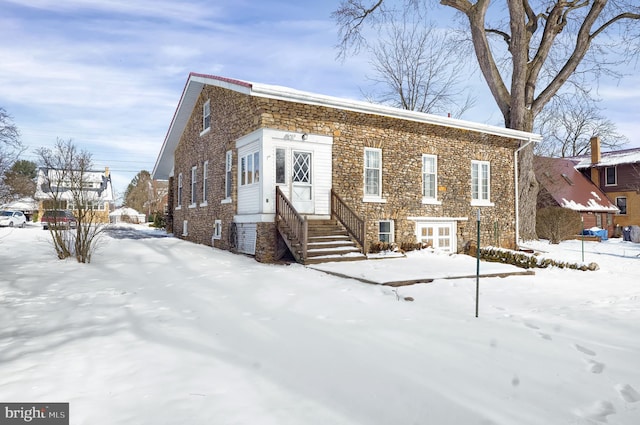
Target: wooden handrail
(349,219)
(295,223)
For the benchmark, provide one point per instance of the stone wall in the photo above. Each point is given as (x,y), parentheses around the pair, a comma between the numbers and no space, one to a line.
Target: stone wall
(402,142)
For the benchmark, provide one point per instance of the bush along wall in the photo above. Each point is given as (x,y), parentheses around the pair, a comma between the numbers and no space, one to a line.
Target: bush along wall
(529,261)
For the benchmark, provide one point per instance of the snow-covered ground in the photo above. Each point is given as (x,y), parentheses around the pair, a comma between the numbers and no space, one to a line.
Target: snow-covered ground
(160,331)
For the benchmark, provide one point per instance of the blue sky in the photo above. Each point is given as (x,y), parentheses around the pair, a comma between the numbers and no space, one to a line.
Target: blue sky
(109,73)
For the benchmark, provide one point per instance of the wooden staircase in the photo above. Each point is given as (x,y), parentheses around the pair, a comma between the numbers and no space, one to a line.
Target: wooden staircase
(327,240)
(314,241)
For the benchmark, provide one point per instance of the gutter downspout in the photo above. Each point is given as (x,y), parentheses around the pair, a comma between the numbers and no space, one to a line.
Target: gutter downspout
(515,178)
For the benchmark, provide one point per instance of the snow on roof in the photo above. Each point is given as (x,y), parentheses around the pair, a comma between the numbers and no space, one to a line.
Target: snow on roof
(569,187)
(608,159)
(196,82)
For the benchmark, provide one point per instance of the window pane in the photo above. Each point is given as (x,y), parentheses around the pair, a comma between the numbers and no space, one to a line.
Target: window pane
(280,166)
(385,227)
(249,169)
(371,182)
(256,167)
(243,171)
(610,175)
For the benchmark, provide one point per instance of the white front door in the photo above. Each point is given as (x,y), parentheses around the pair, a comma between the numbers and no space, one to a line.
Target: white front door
(301,183)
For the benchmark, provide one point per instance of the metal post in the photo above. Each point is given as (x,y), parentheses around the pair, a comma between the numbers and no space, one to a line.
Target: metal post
(582,219)
(478,263)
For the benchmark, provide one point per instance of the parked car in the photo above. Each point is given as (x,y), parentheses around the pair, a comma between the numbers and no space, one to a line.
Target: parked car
(12,218)
(58,218)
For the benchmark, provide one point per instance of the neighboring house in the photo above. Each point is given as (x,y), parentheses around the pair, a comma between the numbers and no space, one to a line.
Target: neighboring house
(617,174)
(563,186)
(256,168)
(54,192)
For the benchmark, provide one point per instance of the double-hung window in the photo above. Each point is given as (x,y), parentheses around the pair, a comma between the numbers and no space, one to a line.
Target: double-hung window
(480,183)
(205,181)
(194,181)
(610,176)
(206,116)
(385,231)
(372,174)
(228,177)
(429,178)
(179,190)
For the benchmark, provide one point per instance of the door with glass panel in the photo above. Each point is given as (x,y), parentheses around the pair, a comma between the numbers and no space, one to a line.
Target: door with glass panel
(301,182)
(437,235)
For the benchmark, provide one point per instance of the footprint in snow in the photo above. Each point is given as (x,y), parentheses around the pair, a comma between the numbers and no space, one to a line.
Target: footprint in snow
(585,350)
(531,325)
(594,366)
(597,412)
(544,336)
(628,393)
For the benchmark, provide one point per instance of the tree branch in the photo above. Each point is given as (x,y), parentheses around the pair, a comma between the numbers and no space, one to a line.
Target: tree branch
(350,17)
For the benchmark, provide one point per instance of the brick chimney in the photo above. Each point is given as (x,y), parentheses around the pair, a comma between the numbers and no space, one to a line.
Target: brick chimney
(595,150)
(595,159)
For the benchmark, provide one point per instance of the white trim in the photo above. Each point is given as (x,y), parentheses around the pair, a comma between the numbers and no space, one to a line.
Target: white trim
(481,200)
(437,219)
(391,229)
(368,197)
(430,199)
(217,230)
(254,218)
(374,199)
(481,203)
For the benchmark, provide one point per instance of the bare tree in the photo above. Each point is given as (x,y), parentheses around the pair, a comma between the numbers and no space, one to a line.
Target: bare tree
(10,149)
(66,179)
(417,67)
(568,123)
(525,55)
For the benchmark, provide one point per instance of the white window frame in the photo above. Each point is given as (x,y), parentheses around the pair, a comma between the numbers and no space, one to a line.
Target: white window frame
(217,230)
(372,197)
(615,176)
(205,183)
(428,198)
(179,192)
(228,177)
(249,169)
(194,186)
(391,231)
(206,117)
(480,193)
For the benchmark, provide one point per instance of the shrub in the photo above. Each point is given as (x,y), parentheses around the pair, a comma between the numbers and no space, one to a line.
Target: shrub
(158,220)
(557,224)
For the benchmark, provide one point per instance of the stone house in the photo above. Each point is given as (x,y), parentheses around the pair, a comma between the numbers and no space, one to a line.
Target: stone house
(617,174)
(256,168)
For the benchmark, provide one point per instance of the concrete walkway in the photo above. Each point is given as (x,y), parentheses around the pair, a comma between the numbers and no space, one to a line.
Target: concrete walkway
(417,267)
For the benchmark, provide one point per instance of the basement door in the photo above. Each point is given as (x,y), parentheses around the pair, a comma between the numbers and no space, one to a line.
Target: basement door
(438,235)
(301,182)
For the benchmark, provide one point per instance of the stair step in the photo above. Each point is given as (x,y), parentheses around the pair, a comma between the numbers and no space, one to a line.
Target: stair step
(327,259)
